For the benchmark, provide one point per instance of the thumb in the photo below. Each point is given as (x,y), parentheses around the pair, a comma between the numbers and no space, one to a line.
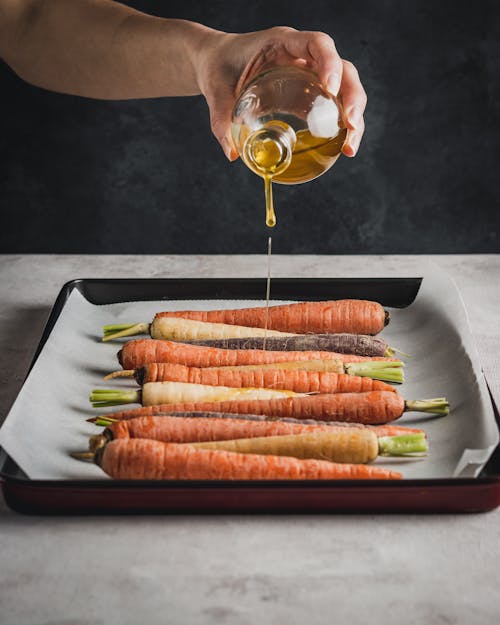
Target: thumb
(220,104)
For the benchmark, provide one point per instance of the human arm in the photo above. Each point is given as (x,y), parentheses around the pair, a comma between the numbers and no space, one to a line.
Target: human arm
(104,49)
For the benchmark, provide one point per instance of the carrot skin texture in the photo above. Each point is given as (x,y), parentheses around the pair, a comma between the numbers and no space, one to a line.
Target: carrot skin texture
(345,445)
(182,329)
(372,408)
(144,459)
(140,352)
(295,380)
(380,430)
(198,429)
(359,344)
(337,316)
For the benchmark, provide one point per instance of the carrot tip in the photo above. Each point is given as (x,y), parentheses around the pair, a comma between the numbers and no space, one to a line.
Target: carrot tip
(96,441)
(125,373)
(83,455)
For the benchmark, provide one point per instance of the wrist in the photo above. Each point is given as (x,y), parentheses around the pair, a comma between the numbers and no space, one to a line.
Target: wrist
(200,42)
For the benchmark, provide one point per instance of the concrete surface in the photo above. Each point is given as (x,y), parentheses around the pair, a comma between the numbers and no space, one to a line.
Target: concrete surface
(438,569)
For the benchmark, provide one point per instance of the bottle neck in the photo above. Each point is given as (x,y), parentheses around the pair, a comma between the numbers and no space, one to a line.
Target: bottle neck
(268,150)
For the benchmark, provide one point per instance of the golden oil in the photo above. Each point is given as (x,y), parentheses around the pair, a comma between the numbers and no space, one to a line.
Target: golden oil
(287,129)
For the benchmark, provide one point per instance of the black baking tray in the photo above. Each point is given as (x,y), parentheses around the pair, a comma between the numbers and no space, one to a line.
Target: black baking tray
(323,496)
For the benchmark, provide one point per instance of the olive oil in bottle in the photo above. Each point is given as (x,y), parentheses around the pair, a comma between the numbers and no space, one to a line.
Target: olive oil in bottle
(287,129)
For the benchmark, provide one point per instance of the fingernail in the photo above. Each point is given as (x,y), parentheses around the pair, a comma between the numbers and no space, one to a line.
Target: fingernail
(333,84)
(227,147)
(355,117)
(352,145)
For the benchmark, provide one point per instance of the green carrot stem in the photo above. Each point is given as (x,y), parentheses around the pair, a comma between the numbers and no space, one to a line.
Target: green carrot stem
(102,421)
(438,406)
(386,371)
(101,398)
(403,445)
(395,351)
(118,330)
(377,364)
(116,327)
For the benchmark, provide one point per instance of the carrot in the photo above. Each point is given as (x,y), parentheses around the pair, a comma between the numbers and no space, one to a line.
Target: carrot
(347,445)
(295,380)
(359,344)
(380,430)
(157,372)
(143,459)
(140,352)
(180,329)
(373,408)
(349,315)
(330,317)
(352,443)
(167,392)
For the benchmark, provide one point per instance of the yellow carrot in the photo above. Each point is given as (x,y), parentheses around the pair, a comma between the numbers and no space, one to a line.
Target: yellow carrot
(154,393)
(344,445)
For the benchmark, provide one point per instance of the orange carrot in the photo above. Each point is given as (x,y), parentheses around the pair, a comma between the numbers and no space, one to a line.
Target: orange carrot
(373,408)
(350,315)
(198,429)
(351,445)
(296,380)
(144,459)
(140,352)
(384,371)
(389,429)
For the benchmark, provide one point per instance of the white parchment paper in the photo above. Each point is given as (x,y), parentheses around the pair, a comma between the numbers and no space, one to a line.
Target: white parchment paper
(48,418)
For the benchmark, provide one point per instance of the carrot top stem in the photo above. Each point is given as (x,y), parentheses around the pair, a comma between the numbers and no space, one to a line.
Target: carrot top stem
(102,421)
(438,405)
(377,370)
(102,398)
(118,330)
(403,445)
(395,351)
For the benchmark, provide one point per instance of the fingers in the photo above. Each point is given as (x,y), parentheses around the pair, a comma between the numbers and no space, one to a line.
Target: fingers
(220,103)
(319,50)
(339,77)
(354,100)
(284,46)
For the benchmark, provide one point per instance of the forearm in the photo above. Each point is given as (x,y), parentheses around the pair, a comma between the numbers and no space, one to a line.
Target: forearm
(100,48)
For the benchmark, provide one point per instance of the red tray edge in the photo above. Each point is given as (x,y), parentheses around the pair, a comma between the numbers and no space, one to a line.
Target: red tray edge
(463,496)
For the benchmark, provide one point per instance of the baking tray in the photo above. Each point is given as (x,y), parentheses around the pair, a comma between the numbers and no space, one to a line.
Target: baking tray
(26,495)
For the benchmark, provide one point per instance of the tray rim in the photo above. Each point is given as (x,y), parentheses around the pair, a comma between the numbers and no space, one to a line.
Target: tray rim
(12,483)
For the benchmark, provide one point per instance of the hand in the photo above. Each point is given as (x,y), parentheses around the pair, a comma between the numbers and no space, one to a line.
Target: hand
(228,60)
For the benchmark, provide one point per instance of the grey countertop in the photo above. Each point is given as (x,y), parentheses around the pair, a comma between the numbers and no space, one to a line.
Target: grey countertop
(242,569)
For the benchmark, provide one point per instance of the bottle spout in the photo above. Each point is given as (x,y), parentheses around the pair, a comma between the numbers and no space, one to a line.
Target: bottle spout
(268,150)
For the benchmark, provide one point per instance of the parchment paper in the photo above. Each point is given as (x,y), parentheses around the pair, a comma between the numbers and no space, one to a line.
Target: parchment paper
(48,418)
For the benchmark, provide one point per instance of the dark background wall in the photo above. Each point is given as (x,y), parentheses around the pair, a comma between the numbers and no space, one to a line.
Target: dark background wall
(80,175)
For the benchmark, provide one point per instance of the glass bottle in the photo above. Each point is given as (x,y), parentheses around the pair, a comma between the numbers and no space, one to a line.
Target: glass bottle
(287,128)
